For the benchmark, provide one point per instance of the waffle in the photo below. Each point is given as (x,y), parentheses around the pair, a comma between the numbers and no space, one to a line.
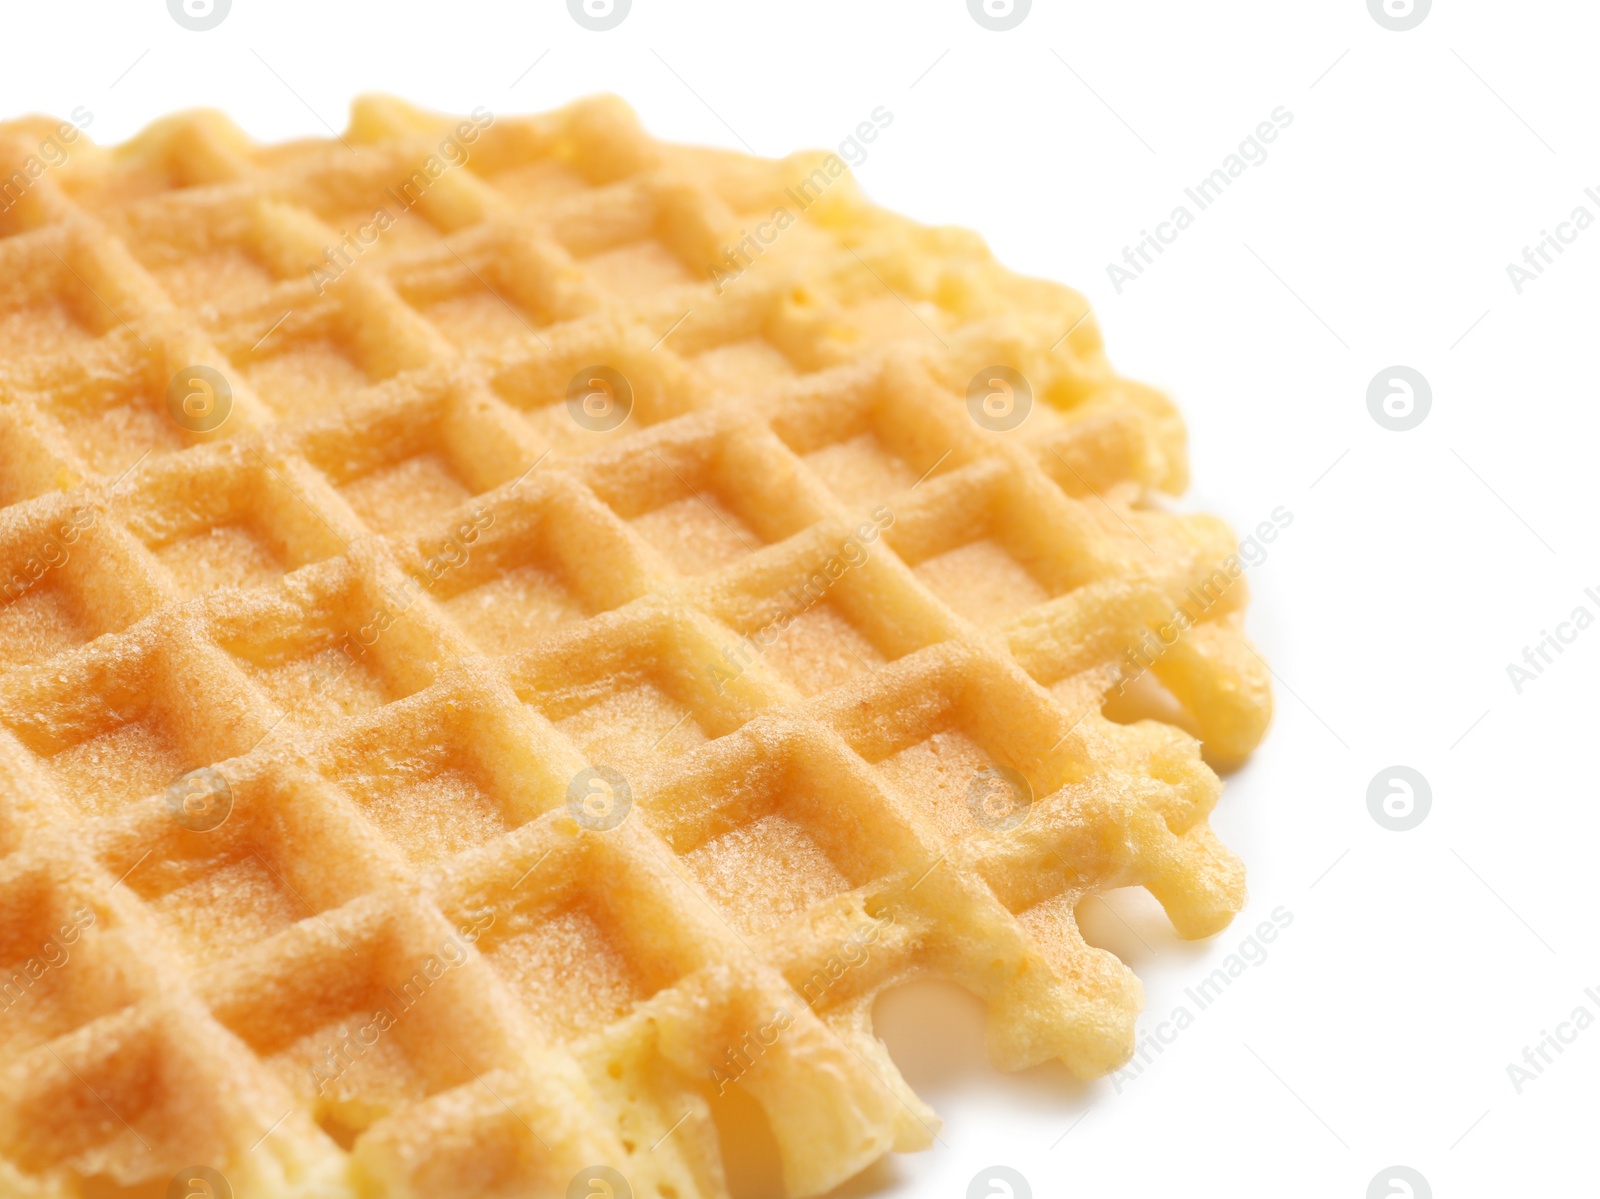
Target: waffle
(509,647)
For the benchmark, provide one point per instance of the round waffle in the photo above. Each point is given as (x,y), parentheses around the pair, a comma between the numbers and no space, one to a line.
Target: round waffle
(514,634)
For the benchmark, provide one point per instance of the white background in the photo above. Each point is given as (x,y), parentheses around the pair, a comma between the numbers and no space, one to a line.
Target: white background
(1418,565)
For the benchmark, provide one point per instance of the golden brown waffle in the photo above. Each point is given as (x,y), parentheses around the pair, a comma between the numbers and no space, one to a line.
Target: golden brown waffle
(410,789)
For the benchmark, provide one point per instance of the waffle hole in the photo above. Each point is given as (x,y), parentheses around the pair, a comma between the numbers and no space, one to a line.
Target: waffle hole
(698,533)
(750,1158)
(645,264)
(984,581)
(742,367)
(442,809)
(766,873)
(118,764)
(862,470)
(40,622)
(1147,699)
(482,321)
(408,495)
(1128,922)
(229,555)
(340,1132)
(516,608)
(197,279)
(319,679)
(56,327)
(574,970)
(304,376)
(633,725)
(934,1031)
(821,648)
(112,431)
(936,773)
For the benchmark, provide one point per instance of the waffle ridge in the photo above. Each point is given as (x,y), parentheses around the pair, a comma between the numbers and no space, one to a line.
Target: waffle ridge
(397,618)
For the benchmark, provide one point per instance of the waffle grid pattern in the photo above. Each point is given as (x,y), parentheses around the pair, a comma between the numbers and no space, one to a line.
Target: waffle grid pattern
(401,599)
